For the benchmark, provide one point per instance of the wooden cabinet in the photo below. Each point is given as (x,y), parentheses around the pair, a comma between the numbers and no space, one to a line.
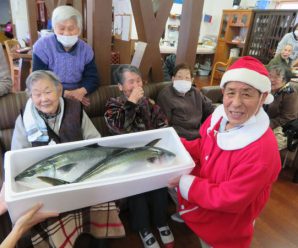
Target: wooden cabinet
(268,28)
(254,32)
(234,28)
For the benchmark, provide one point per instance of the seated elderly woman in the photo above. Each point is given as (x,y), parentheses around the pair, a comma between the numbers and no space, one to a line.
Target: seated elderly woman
(284,108)
(49,119)
(69,57)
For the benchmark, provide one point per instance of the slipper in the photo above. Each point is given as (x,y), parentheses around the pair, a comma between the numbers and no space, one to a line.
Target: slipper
(166,236)
(148,240)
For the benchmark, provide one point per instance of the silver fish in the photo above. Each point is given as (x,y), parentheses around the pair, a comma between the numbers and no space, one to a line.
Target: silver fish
(67,165)
(121,162)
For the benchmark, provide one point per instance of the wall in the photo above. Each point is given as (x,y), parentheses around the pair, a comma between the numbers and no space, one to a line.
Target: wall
(4,11)
(19,18)
(216,13)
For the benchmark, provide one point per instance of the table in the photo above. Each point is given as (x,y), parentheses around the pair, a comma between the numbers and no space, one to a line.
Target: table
(200,49)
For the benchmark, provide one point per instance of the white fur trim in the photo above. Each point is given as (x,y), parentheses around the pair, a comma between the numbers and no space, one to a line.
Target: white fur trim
(250,77)
(184,185)
(251,130)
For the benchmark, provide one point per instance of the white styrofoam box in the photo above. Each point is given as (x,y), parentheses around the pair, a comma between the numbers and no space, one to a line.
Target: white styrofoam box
(68,197)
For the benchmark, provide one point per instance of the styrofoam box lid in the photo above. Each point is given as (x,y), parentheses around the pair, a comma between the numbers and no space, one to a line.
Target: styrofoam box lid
(68,197)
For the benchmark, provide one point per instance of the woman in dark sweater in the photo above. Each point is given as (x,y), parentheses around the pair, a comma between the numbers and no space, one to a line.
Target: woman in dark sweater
(284,108)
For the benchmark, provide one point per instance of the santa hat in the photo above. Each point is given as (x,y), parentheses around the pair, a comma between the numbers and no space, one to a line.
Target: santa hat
(250,71)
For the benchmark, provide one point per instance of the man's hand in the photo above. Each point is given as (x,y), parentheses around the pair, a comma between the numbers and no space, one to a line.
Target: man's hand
(174,182)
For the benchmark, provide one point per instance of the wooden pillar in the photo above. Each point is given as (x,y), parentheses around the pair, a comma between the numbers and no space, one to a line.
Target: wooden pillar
(89,21)
(32,20)
(150,27)
(189,31)
(102,26)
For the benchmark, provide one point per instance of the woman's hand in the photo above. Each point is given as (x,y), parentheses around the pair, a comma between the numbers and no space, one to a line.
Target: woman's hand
(31,218)
(136,94)
(79,95)
(3,206)
(24,223)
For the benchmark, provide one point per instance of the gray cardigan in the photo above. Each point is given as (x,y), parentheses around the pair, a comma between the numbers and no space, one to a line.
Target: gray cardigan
(5,79)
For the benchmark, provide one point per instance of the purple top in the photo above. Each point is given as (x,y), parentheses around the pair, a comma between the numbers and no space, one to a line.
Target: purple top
(68,66)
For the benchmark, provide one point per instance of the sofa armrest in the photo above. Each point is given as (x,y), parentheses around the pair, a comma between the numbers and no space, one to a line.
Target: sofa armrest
(214,93)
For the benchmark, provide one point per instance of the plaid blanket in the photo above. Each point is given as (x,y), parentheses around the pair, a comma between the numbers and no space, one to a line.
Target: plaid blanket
(101,221)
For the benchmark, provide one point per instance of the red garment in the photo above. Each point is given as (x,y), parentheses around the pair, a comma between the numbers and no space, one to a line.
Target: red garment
(230,188)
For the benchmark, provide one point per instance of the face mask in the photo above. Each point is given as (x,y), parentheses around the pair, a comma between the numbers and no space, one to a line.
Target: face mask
(66,40)
(182,86)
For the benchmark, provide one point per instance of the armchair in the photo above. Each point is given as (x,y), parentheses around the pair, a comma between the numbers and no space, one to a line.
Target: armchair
(220,67)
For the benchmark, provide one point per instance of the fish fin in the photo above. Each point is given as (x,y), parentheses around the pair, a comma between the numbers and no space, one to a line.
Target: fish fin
(67,167)
(52,181)
(117,149)
(95,145)
(153,142)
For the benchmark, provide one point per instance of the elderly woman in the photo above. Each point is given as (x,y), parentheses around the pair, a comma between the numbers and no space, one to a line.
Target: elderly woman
(69,57)
(48,119)
(133,112)
(284,108)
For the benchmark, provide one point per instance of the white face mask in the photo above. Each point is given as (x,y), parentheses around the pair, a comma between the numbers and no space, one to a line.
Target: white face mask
(182,86)
(67,40)
(296,33)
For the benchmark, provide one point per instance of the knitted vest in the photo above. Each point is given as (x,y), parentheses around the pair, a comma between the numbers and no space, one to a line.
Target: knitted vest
(68,66)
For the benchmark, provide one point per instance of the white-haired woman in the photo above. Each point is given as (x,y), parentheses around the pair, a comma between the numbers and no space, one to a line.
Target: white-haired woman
(49,119)
(69,57)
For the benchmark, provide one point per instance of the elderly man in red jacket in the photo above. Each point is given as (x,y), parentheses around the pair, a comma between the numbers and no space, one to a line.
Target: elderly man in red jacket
(237,161)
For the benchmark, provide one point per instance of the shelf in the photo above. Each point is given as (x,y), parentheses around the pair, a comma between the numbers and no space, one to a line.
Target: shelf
(238,26)
(235,25)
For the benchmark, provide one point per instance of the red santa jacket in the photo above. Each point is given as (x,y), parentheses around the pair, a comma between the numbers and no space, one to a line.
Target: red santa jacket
(231,182)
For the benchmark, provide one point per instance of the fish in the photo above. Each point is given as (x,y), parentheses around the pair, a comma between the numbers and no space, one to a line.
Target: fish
(67,165)
(127,160)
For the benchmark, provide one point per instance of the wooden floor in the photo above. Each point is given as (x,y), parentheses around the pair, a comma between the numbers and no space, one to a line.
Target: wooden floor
(277,227)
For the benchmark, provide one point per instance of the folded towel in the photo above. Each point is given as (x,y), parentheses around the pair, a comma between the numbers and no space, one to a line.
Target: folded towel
(34,125)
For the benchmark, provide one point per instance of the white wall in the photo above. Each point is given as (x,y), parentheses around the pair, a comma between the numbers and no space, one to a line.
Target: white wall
(248,3)
(19,18)
(216,13)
